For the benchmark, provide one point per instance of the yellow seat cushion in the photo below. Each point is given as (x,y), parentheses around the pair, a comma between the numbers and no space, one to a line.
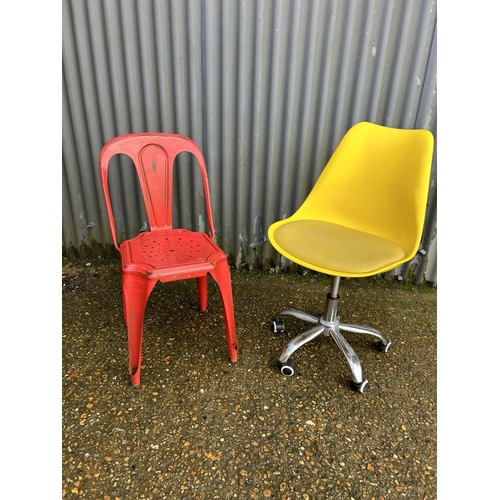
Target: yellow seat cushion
(336,250)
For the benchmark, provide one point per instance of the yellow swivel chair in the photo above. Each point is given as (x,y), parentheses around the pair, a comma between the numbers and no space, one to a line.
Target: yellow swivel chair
(364,216)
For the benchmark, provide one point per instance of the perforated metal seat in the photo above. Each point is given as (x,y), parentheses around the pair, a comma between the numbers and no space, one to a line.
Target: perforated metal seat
(161,253)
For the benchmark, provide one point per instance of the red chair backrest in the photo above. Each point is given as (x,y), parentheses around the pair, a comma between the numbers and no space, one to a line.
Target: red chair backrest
(153,155)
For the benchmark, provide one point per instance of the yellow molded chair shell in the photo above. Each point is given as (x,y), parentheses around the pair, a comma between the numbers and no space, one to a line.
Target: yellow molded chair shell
(366,212)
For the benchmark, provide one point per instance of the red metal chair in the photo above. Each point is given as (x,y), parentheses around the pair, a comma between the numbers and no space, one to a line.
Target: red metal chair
(164,253)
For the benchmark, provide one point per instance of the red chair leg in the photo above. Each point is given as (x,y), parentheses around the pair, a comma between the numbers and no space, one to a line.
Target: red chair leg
(222,276)
(203,291)
(124,305)
(136,290)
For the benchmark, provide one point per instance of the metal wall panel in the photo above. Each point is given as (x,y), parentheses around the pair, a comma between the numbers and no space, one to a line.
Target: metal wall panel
(267,88)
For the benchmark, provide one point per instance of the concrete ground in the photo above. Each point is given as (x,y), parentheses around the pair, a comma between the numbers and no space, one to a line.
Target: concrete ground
(200,427)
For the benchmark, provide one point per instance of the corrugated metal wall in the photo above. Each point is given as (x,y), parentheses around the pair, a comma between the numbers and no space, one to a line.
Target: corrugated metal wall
(267,88)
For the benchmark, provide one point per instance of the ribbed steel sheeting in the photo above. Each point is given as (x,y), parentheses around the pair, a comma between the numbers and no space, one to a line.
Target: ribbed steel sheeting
(267,88)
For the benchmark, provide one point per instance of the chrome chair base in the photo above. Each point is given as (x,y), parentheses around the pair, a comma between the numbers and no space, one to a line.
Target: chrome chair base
(329,324)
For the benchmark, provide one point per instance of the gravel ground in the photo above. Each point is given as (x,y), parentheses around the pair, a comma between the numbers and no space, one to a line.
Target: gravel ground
(200,427)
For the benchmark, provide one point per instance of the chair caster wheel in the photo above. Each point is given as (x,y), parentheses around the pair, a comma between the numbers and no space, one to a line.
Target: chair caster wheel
(383,347)
(277,326)
(288,368)
(359,387)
